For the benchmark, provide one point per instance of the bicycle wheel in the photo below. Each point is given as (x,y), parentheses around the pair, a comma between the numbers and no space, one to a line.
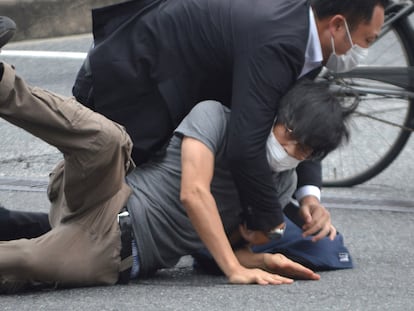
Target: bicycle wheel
(374,143)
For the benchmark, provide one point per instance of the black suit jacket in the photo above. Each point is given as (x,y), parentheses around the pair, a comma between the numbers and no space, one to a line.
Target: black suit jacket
(243,53)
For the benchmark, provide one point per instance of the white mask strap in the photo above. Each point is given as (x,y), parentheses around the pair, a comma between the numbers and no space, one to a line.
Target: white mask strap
(348,33)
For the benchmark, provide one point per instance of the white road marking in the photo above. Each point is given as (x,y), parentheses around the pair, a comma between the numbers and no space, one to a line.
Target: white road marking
(44,54)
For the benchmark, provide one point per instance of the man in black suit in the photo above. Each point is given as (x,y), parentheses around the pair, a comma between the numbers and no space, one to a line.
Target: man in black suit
(153,60)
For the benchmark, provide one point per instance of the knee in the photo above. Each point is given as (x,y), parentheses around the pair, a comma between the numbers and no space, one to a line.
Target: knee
(116,145)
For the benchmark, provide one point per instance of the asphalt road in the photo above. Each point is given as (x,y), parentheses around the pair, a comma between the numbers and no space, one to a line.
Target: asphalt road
(376,219)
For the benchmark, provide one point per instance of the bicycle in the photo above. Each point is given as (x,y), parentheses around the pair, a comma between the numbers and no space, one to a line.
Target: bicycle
(384,89)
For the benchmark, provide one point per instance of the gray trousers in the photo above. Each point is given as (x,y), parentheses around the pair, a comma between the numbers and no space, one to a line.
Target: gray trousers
(86,190)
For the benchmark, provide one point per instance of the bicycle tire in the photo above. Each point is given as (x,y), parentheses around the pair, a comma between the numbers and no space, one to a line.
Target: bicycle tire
(355,170)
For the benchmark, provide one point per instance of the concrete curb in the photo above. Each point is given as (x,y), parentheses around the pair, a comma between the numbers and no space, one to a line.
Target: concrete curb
(50,18)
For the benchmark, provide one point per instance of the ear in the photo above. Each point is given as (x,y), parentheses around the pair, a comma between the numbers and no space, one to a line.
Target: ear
(336,24)
(279,132)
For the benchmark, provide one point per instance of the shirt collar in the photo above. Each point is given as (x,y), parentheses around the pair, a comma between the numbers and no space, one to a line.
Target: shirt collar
(313,54)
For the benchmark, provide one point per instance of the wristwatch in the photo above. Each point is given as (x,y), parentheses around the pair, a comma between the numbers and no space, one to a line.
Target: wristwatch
(276,233)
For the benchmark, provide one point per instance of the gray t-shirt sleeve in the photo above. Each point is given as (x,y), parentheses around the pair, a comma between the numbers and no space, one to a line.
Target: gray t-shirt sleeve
(207,123)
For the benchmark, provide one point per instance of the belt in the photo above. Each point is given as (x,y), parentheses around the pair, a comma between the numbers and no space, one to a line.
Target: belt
(125,227)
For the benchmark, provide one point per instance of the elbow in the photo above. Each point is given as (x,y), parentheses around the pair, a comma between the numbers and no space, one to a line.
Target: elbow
(189,196)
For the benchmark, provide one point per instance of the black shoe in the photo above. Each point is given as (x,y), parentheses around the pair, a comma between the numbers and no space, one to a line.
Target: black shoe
(7,30)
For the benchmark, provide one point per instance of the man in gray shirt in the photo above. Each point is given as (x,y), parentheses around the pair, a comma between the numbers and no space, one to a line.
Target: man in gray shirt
(162,228)
(184,199)
(190,181)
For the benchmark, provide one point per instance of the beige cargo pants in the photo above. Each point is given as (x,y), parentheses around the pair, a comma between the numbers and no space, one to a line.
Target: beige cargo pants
(86,190)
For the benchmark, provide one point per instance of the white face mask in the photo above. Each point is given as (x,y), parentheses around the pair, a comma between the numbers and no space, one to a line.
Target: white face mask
(348,61)
(279,160)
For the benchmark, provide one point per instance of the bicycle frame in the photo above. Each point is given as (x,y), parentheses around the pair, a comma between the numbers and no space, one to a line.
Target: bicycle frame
(396,12)
(401,77)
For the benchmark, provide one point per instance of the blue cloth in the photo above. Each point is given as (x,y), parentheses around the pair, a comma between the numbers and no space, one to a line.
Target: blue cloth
(319,256)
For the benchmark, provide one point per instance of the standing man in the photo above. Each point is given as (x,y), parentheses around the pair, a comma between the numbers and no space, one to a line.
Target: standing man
(153,60)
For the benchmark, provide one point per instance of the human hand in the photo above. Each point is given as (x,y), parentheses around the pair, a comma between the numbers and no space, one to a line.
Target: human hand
(317,219)
(257,276)
(278,263)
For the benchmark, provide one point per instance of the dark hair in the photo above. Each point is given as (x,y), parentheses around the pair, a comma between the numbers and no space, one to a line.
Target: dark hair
(317,118)
(355,11)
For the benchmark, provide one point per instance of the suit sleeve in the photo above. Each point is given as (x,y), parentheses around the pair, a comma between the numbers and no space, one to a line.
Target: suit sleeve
(309,173)
(260,79)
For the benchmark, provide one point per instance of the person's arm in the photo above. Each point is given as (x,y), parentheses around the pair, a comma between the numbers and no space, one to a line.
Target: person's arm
(316,218)
(309,173)
(197,173)
(260,79)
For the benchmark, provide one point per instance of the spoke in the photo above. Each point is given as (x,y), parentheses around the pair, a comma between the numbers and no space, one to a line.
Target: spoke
(370,116)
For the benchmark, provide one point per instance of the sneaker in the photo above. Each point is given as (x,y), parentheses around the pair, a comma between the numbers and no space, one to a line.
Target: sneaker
(7,30)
